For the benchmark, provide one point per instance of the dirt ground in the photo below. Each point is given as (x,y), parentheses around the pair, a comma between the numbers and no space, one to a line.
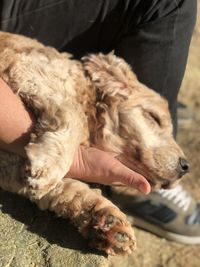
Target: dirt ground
(154,251)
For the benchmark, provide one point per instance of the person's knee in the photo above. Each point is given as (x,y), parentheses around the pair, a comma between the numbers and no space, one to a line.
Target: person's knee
(188,10)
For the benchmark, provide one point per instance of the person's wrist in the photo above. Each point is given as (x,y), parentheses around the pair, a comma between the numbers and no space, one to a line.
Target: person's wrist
(16,121)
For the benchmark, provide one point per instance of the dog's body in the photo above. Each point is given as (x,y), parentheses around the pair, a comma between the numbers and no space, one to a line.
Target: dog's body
(97,102)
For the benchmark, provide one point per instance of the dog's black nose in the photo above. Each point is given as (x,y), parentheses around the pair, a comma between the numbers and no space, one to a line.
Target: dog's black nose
(185,166)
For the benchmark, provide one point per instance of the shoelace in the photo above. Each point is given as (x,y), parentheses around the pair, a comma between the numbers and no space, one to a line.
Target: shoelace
(178,195)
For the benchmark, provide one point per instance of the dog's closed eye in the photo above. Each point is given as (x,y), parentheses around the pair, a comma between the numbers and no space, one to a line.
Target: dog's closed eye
(153,117)
(156,118)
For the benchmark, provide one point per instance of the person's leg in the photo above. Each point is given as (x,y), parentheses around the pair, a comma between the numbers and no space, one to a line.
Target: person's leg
(52,22)
(153,36)
(77,26)
(156,43)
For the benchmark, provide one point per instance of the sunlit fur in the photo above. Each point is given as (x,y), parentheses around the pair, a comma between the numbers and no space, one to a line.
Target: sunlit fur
(99,102)
(133,121)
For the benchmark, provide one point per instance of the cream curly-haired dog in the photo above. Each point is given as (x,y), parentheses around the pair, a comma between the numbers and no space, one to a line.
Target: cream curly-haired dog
(95,102)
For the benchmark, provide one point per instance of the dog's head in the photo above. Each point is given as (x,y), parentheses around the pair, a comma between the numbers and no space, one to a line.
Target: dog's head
(134,122)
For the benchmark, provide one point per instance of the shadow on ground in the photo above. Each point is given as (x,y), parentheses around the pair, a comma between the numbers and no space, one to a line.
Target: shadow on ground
(30,237)
(43,223)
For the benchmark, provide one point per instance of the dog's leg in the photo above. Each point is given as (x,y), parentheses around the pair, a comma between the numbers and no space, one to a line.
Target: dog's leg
(51,152)
(10,167)
(96,217)
(56,137)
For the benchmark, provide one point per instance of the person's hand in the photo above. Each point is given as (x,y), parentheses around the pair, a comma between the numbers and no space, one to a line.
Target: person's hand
(96,166)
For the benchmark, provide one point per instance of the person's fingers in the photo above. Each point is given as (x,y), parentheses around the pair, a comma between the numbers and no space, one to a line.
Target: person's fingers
(130,178)
(93,165)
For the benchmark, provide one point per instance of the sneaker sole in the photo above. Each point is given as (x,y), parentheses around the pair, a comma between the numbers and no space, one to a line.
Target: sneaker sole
(189,240)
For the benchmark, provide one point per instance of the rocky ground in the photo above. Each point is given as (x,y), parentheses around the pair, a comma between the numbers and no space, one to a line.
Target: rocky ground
(32,238)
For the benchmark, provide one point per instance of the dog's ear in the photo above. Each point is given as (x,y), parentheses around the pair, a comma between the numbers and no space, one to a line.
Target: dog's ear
(114,82)
(111,75)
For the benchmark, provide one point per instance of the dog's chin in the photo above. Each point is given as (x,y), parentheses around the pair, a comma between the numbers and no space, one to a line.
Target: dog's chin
(165,184)
(155,180)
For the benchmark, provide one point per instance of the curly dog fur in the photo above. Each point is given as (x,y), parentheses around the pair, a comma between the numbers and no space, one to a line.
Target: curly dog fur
(97,102)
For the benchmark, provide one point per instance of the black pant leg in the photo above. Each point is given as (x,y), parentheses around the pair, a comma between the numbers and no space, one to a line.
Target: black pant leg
(76,26)
(153,36)
(52,22)
(157,48)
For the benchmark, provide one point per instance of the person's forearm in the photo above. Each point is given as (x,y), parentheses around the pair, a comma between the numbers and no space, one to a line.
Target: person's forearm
(16,121)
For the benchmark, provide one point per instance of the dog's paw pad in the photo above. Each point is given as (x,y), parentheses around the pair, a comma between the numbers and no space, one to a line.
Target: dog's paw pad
(111,232)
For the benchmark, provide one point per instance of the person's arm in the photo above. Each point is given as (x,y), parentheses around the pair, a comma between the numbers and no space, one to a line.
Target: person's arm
(16,123)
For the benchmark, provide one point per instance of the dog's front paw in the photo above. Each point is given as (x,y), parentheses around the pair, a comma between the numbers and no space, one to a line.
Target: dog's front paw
(110,231)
